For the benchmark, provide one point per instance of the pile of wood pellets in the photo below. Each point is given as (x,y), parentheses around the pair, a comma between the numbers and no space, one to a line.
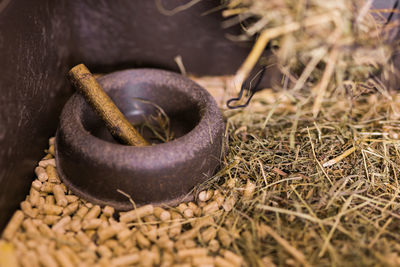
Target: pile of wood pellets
(56,228)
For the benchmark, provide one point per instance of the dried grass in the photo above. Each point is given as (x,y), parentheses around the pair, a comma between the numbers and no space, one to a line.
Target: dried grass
(326,188)
(323,152)
(320,45)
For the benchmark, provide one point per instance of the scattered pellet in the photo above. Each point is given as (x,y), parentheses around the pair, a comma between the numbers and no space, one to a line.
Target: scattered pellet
(203,221)
(75,225)
(91,224)
(126,260)
(175,229)
(201,204)
(141,240)
(104,222)
(13,225)
(162,214)
(89,256)
(214,245)
(249,189)
(208,234)
(83,238)
(41,174)
(45,230)
(63,258)
(179,245)
(205,195)
(224,237)
(30,227)
(90,233)
(104,251)
(192,252)
(167,259)
(51,219)
(165,243)
(119,250)
(181,207)
(203,261)
(104,262)
(8,257)
(211,207)
(26,207)
(156,255)
(162,229)
(175,216)
(129,244)
(52,141)
(220,199)
(196,209)
(188,234)
(60,225)
(146,258)
(150,231)
(59,195)
(232,257)
(189,243)
(51,150)
(29,259)
(70,209)
(108,211)
(188,213)
(221,262)
(111,243)
(47,162)
(150,219)
(50,209)
(81,212)
(48,156)
(71,198)
(229,203)
(93,213)
(34,197)
(137,213)
(72,255)
(47,260)
(52,174)
(36,184)
(108,232)
(47,187)
(50,200)
(230,183)
(124,235)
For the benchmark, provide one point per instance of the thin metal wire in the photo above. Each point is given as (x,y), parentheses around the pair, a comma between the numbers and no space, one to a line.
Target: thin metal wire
(251,90)
(396,4)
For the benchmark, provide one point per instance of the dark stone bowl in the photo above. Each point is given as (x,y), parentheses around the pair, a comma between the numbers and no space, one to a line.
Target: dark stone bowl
(94,166)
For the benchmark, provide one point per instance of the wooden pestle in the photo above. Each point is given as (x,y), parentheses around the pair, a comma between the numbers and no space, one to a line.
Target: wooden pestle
(120,128)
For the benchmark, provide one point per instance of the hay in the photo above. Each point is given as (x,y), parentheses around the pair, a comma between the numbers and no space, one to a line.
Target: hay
(344,214)
(326,187)
(323,152)
(322,44)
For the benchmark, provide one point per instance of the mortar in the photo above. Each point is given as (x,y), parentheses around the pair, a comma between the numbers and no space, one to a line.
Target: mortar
(94,166)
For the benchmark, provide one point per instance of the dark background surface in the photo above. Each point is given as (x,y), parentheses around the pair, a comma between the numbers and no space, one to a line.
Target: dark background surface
(41,40)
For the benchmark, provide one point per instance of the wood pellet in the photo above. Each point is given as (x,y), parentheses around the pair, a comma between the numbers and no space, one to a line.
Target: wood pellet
(53,227)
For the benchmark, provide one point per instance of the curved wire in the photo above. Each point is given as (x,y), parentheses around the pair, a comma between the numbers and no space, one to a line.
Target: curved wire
(396,4)
(251,90)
